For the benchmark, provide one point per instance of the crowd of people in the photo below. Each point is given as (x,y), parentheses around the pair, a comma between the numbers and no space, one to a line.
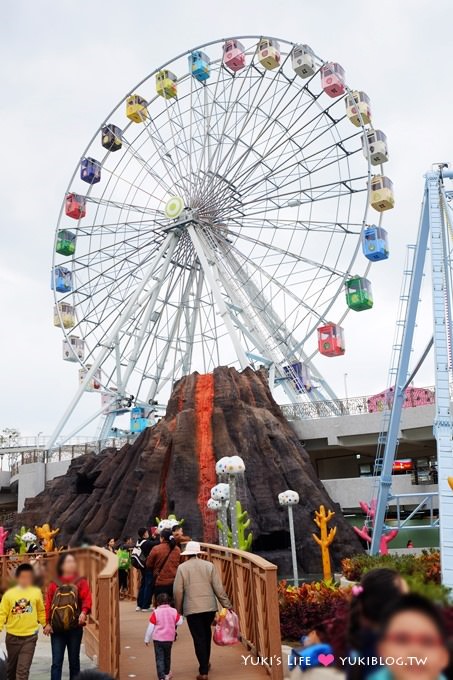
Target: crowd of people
(175,587)
(393,634)
(62,614)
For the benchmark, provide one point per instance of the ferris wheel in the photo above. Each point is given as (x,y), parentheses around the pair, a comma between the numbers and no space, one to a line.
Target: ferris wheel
(214,219)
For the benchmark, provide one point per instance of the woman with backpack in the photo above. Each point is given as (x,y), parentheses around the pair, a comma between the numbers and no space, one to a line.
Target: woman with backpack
(164,561)
(68,603)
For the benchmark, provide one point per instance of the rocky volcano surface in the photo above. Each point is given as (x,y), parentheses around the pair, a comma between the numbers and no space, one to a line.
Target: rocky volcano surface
(170,468)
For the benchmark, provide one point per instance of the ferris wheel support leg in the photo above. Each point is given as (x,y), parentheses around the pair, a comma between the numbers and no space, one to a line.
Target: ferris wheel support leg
(218,297)
(124,316)
(142,334)
(443,423)
(174,329)
(385,480)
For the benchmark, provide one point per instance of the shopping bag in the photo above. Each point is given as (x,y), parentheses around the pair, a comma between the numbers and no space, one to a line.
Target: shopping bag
(227,629)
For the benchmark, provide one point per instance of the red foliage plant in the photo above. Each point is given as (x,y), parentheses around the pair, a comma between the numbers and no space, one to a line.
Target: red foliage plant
(304,608)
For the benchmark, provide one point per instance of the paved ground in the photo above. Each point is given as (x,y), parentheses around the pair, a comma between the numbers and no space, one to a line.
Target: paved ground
(40,669)
(137,661)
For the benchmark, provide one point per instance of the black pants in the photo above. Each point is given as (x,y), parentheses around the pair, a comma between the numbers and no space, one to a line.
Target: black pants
(162,651)
(70,640)
(200,629)
(123,578)
(145,592)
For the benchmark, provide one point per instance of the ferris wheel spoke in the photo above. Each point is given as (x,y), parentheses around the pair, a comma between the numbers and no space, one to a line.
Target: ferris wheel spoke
(329,152)
(146,166)
(166,158)
(287,132)
(284,224)
(229,109)
(289,255)
(268,122)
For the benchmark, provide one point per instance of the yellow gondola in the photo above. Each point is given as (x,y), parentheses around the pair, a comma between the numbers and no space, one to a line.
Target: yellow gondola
(166,84)
(137,108)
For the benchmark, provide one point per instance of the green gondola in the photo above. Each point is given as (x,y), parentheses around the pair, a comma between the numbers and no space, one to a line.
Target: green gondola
(358,294)
(66,242)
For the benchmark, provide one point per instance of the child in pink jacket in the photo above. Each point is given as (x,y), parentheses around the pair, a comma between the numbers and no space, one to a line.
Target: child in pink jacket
(162,631)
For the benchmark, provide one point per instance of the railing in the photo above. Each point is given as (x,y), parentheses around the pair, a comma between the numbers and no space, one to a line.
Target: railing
(102,633)
(355,406)
(251,584)
(63,453)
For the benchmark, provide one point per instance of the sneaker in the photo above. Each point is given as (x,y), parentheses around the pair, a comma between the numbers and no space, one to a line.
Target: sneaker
(169,676)
(148,609)
(138,609)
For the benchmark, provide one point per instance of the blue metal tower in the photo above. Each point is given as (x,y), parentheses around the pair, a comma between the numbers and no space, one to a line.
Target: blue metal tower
(435,233)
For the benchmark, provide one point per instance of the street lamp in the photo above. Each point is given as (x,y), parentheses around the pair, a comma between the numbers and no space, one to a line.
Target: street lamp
(220,495)
(232,467)
(289,498)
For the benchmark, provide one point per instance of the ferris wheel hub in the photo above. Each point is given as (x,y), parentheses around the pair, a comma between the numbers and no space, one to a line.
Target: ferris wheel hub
(174,207)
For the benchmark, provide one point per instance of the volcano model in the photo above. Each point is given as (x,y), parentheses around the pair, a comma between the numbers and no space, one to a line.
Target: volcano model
(171,469)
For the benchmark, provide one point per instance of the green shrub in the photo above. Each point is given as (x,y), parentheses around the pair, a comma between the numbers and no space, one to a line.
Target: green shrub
(422,572)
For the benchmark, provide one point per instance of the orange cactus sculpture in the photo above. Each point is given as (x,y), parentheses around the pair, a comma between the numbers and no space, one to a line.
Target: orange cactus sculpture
(322,519)
(47,536)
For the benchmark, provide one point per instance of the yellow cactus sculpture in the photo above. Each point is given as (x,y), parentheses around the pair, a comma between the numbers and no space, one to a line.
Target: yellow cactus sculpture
(322,519)
(47,535)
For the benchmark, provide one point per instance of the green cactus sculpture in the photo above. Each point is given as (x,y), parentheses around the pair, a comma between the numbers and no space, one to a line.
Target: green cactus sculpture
(20,543)
(243,521)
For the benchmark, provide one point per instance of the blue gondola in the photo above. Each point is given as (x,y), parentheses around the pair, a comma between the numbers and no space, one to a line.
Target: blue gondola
(199,65)
(300,376)
(375,245)
(61,280)
(138,420)
(90,170)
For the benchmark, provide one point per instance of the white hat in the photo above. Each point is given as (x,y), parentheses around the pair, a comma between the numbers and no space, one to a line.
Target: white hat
(192,548)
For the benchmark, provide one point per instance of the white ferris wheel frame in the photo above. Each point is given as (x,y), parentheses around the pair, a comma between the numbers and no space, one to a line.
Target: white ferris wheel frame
(244,309)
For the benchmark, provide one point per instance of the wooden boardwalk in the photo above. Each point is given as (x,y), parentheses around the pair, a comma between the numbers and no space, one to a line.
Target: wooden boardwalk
(137,661)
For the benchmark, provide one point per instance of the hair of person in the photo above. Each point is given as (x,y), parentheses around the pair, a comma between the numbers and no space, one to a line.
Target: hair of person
(142,531)
(413,602)
(93,674)
(378,588)
(163,598)
(167,536)
(175,527)
(60,562)
(24,568)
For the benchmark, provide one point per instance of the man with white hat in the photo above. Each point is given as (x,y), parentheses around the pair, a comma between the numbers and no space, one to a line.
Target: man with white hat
(197,591)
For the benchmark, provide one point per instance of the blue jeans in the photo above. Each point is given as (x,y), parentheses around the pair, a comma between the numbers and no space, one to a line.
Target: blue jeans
(70,640)
(145,594)
(162,650)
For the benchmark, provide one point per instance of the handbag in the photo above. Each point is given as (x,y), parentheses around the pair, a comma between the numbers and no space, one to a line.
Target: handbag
(226,631)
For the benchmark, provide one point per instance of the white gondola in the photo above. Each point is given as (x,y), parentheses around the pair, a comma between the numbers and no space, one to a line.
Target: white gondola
(358,108)
(376,141)
(94,385)
(303,61)
(73,349)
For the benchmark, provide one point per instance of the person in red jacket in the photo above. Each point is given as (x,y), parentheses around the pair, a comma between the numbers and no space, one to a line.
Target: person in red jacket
(163,561)
(68,603)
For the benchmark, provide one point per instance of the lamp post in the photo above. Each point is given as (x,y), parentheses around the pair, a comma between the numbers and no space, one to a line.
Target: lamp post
(289,498)
(220,494)
(232,467)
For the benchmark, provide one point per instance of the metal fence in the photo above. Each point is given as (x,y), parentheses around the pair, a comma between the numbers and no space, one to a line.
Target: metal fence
(355,406)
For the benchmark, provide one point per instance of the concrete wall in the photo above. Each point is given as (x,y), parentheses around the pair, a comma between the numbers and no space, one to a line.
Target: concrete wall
(32,479)
(359,430)
(349,492)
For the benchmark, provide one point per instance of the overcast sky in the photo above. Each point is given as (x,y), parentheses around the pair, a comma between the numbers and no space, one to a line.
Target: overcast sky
(66,63)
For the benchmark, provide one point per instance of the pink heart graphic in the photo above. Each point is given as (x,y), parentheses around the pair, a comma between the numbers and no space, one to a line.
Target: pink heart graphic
(326,659)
